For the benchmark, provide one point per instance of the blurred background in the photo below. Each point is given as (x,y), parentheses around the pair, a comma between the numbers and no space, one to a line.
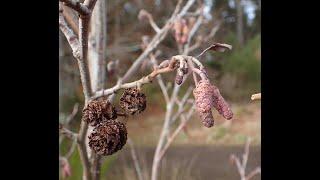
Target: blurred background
(197,152)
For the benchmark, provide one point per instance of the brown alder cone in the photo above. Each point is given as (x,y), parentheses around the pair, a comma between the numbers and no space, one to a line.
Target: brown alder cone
(98,111)
(133,101)
(204,102)
(108,137)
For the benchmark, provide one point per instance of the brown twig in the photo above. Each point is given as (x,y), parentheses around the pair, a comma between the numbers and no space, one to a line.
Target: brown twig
(256,96)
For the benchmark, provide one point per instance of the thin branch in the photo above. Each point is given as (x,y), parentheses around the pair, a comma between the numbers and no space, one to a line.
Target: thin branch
(70,35)
(77,6)
(192,32)
(246,154)
(241,166)
(83,60)
(256,171)
(160,80)
(71,150)
(176,132)
(70,20)
(181,105)
(144,80)
(207,38)
(236,160)
(135,159)
(145,14)
(73,113)
(66,132)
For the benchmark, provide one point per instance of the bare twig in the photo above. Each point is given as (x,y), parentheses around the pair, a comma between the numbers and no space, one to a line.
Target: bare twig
(184,121)
(70,35)
(77,6)
(256,171)
(71,150)
(143,13)
(73,113)
(256,96)
(66,132)
(160,80)
(135,160)
(70,20)
(241,165)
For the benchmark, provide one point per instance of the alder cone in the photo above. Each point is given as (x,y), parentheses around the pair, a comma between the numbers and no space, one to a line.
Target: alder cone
(97,111)
(133,101)
(204,102)
(108,137)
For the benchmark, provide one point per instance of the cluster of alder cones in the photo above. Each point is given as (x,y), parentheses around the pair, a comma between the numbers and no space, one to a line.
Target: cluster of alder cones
(110,135)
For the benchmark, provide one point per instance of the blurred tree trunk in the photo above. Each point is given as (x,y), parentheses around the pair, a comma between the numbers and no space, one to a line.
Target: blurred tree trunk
(97,67)
(239,22)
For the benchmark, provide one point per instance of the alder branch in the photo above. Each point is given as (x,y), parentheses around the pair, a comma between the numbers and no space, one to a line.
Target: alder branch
(159,78)
(145,14)
(241,166)
(159,37)
(205,39)
(66,132)
(70,20)
(77,6)
(256,171)
(71,150)
(73,113)
(184,121)
(70,35)
(135,160)
(256,96)
(138,83)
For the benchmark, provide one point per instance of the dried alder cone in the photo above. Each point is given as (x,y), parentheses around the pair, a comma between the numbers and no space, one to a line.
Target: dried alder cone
(108,137)
(206,97)
(98,111)
(133,101)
